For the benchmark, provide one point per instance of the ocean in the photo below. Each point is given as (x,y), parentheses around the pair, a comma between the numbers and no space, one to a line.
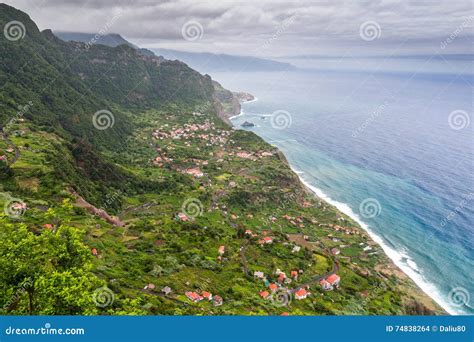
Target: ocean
(390,143)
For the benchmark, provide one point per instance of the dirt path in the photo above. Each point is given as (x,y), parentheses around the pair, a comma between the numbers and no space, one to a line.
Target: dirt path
(82,203)
(10,143)
(245,263)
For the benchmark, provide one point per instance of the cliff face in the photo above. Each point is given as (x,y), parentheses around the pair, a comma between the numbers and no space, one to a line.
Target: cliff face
(227,104)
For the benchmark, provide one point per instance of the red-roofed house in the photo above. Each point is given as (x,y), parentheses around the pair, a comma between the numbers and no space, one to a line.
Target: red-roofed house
(268,239)
(49,226)
(182,217)
(273,287)
(294,275)
(206,295)
(301,294)
(264,294)
(333,279)
(285,314)
(193,296)
(94,251)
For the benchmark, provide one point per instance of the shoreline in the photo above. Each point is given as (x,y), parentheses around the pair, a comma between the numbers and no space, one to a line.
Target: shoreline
(394,256)
(241,109)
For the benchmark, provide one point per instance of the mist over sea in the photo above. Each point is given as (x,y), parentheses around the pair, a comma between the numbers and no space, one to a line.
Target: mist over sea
(388,143)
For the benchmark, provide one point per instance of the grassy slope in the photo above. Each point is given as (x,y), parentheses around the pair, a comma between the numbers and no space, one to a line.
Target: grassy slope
(156,248)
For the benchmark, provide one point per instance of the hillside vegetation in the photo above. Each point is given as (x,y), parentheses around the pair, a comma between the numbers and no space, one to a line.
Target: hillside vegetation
(134,214)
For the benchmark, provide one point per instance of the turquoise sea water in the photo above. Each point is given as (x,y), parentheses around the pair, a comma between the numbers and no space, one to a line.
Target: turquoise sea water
(383,148)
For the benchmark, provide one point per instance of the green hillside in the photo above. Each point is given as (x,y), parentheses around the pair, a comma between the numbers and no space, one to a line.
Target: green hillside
(103,218)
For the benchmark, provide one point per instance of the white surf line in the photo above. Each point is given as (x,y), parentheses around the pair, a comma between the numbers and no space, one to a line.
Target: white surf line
(254,99)
(397,257)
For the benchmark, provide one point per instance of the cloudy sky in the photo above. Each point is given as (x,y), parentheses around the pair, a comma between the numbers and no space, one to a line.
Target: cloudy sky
(270,28)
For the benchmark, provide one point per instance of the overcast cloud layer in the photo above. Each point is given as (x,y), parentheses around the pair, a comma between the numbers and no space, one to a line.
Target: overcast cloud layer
(270,28)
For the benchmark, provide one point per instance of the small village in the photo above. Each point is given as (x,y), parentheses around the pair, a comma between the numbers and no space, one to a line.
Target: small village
(233,253)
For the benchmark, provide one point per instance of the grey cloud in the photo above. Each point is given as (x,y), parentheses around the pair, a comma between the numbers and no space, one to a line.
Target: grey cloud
(243,27)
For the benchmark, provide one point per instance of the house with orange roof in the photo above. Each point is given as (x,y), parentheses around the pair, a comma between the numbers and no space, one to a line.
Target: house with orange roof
(193,296)
(273,287)
(206,295)
(301,294)
(333,279)
(294,275)
(264,294)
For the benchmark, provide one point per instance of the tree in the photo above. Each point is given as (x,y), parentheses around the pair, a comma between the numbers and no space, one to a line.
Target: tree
(47,273)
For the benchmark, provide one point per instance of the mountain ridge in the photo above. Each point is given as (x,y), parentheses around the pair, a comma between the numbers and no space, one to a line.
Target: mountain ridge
(202,61)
